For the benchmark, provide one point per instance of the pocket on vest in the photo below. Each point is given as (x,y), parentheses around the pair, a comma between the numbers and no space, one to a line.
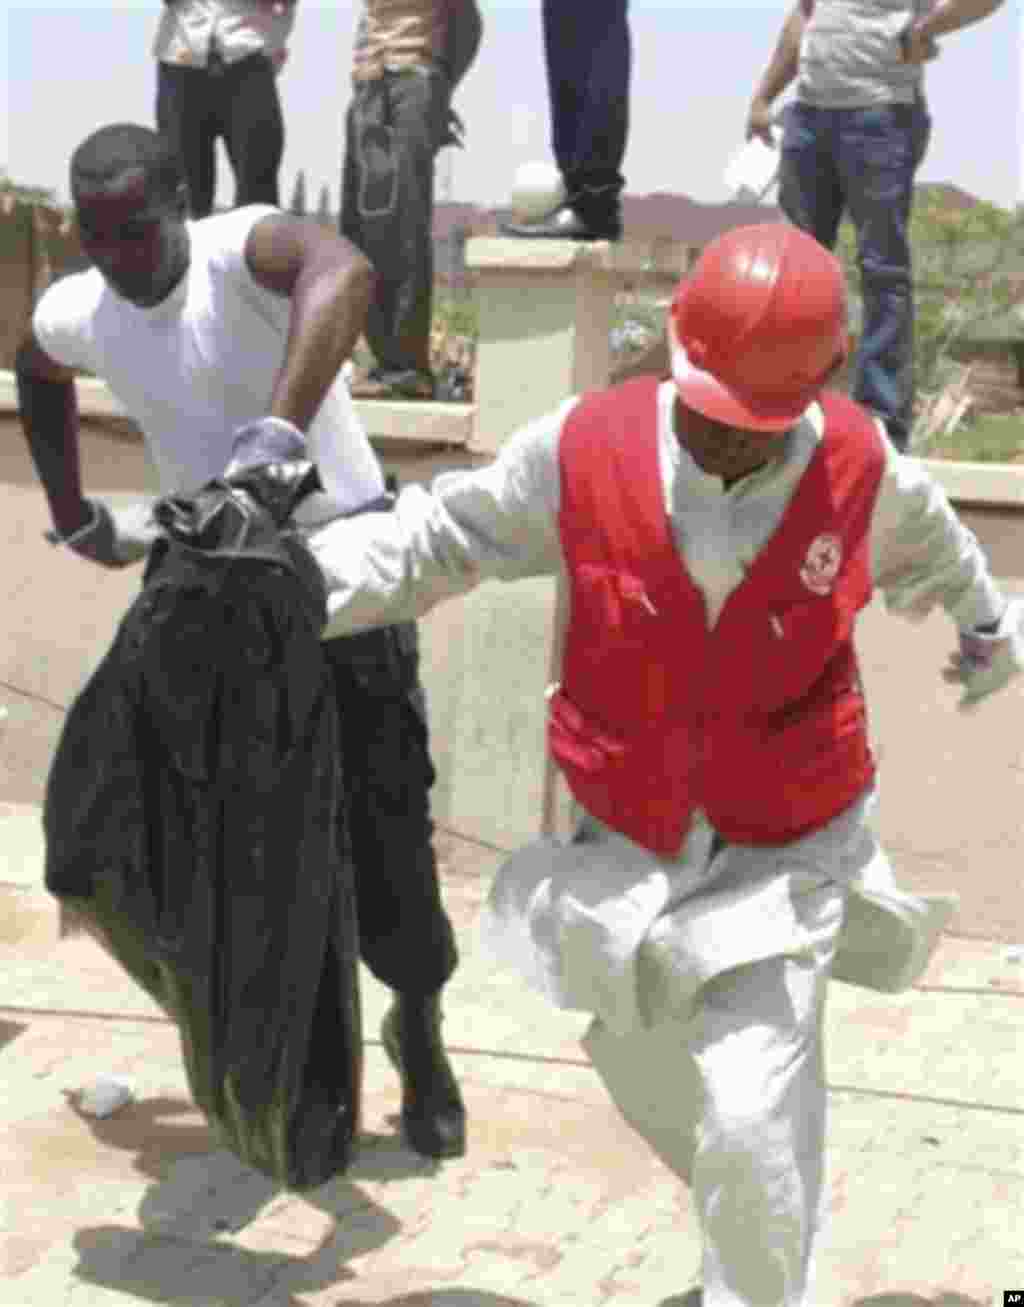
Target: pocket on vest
(577,742)
(613,603)
(616,629)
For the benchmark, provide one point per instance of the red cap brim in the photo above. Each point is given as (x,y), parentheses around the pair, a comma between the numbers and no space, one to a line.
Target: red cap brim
(703,392)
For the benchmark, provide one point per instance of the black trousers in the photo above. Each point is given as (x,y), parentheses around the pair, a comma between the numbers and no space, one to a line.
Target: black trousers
(405,936)
(237,102)
(394,127)
(588,53)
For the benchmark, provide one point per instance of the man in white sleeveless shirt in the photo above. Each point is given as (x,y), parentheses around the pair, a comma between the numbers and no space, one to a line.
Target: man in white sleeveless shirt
(242,321)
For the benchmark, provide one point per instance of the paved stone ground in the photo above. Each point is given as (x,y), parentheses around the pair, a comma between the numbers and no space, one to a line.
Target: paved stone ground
(557,1204)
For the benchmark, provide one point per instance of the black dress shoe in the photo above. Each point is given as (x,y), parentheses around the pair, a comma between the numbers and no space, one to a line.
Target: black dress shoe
(433,1114)
(565,224)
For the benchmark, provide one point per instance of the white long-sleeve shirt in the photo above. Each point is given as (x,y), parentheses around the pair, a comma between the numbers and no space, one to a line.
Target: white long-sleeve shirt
(500,521)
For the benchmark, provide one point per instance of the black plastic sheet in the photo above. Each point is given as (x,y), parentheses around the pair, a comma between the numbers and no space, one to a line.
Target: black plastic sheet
(192,817)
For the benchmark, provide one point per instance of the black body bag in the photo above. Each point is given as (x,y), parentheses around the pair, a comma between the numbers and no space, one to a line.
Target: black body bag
(192,817)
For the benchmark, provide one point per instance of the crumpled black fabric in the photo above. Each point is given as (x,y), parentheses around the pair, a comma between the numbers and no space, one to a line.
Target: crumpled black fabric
(192,814)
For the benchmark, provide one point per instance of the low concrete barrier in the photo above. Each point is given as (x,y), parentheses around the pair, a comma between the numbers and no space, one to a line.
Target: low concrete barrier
(421,423)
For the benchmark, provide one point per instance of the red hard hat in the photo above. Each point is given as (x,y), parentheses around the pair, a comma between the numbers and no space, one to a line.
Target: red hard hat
(758,326)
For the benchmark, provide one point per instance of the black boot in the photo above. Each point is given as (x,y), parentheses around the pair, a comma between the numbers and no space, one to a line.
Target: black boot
(433,1114)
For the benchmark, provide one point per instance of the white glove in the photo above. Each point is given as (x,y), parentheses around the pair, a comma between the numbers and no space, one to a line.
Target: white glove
(985,663)
(112,537)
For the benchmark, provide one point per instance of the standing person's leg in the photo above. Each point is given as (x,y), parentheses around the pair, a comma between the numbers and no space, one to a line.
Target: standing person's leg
(879,152)
(588,55)
(406,938)
(185,115)
(396,126)
(253,128)
(565,91)
(349,221)
(810,189)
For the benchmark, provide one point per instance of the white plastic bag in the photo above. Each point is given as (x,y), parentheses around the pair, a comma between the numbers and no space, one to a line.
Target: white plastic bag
(751,171)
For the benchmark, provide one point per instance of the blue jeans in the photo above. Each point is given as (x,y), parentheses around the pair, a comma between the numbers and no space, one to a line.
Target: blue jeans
(863,161)
(589,59)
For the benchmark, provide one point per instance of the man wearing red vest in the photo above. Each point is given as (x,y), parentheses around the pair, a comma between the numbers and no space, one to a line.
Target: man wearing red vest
(718,533)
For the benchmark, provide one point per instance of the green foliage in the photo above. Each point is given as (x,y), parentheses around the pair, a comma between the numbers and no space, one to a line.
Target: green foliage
(25,194)
(991,438)
(15,235)
(455,315)
(643,310)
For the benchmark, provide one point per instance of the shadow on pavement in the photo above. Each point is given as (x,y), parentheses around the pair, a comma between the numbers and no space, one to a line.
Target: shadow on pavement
(133,1262)
(201,1195)
(164,1270)
(184,1252)
(690,1299)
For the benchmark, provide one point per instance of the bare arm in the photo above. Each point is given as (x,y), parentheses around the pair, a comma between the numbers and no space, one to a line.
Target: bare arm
(330,284)
(951,15)
(781,70)
(48,408)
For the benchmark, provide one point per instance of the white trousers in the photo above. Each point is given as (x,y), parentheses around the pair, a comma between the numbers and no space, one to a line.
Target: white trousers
(732,1098)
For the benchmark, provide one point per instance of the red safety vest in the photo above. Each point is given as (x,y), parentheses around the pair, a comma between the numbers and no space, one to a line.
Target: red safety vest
(760,721)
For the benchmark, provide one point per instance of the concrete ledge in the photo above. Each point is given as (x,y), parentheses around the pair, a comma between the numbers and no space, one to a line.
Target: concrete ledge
(995,485)
(616,259)
(420,421)
(425,422)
